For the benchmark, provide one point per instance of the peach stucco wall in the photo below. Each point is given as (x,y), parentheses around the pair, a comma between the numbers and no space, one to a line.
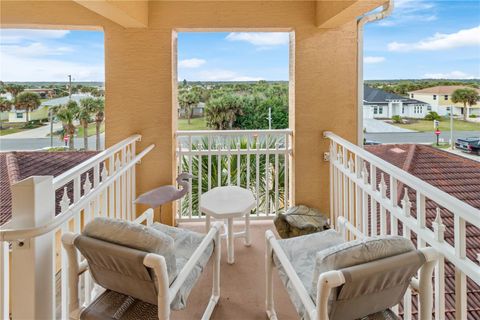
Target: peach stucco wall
(139,72)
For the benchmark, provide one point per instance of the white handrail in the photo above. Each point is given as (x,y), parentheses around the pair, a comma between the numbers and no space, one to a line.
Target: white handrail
(27,233)
(66,177)
(187,133)
(444,199)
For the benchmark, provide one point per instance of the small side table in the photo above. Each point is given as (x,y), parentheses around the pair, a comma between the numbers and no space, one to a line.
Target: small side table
(227,203)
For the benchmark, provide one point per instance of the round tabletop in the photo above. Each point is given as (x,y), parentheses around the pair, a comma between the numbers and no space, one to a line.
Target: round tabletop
(227,202)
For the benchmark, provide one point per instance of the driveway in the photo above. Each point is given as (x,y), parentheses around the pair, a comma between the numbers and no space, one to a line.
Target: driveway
(41,132)
(379,126)
(39,143)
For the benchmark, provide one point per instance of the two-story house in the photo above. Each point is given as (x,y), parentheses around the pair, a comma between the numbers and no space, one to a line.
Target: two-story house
(440,98)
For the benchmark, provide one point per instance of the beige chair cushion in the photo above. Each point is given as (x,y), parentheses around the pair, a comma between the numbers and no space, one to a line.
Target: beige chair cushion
(136,236)
(355,253)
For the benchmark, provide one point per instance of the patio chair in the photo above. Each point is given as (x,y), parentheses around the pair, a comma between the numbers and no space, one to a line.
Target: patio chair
(136,267)
(328,278)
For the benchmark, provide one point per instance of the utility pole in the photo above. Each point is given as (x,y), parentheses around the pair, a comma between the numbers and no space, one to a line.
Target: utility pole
(269,118)
(50,114)
(69,87)
(452,143)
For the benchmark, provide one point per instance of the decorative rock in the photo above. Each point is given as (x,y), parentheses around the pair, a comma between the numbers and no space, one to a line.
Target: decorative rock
(300,220)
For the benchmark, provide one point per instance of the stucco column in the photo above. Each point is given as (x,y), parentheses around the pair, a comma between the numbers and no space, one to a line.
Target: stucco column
(138,80)
(325,100)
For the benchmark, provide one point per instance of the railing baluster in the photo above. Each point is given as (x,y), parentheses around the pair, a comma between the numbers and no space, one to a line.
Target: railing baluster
(267,175)
(287,172)
(365,177)
(118,208)
(248,162)
(358,191)
(373,202)
(383,214)
(190,156)
(200,165)
(219,165)
(331,184)
(209,167)
(257,175)
(133,182)
(276,199)
(179,170)
(439,278)
(460,277)
(229,163)
(4,280)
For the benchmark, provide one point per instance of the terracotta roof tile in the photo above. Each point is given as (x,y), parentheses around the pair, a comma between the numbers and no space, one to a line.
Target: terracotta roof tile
(459,177)
(16,166)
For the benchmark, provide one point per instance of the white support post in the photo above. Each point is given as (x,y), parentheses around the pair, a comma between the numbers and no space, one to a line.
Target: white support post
(32,259)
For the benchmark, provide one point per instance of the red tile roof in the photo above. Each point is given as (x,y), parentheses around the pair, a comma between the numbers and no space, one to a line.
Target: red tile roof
(459,177)
(16,166)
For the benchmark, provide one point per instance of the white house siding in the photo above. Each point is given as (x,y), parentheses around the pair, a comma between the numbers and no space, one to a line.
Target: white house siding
(379,111)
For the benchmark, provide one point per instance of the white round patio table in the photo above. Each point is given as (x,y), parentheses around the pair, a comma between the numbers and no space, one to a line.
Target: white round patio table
(228,203)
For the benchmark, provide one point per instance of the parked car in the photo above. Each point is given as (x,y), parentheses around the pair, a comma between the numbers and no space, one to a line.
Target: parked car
(371,143)
(470,145)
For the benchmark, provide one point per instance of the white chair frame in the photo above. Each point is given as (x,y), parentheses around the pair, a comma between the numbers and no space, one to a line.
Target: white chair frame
(318,310)
(157,263)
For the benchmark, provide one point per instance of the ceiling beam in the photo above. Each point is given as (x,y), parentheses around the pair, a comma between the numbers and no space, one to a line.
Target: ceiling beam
(128,14)
(334,13)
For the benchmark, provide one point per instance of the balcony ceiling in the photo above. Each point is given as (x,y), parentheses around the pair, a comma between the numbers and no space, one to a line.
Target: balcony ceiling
(134,14)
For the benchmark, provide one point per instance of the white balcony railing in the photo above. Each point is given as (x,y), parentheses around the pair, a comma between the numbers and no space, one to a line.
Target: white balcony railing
(365,189)
(258,160)
(33,266)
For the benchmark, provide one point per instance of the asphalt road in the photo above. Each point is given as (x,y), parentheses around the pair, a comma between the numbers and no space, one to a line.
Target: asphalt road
(20,144)
(418,137)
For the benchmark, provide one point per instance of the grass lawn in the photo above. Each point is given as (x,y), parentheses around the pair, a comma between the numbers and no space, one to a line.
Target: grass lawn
(427,125)
(90,131)
(4,132)
(196,124)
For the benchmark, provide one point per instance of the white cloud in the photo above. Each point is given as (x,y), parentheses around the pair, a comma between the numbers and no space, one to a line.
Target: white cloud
(263,39)
(191,63)
(13,68)
(222,75)
(406,11)
(371,60)
(441,41)
(19,35)
(34,49)
(450,75)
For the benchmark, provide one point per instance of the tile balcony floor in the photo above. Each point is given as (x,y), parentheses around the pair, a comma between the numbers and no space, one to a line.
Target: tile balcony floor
(242,284)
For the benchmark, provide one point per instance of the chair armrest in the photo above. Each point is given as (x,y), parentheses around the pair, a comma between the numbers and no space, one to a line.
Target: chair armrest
(147,216)
(187,269)
(297,284)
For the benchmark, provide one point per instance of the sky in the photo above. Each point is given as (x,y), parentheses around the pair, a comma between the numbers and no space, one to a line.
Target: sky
(421,39)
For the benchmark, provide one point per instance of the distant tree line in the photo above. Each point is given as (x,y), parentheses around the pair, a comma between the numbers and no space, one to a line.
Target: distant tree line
(402,87)
(237,105)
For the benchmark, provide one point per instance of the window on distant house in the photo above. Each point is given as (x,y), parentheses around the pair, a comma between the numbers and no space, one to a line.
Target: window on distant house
(19,115)
(429,108)
(446,97)
(375,110)
(411,96)
(380,110)
(403,109)
(434,97)
(448,108)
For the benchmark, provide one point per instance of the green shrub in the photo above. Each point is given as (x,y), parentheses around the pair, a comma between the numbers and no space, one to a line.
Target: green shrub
(432,115)
(397,119)
(473,116)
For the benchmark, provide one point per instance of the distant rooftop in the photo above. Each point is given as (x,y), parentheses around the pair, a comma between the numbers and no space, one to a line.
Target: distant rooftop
(373,95)
(443,90)
(63,100)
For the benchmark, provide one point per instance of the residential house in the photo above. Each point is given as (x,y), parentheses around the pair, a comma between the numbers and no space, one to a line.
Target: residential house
(315,162)
(378,103)
(42,112)
(440,99)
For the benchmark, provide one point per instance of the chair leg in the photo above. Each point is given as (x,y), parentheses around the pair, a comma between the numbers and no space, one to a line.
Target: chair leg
(217,253)
(247,230)
(269,303)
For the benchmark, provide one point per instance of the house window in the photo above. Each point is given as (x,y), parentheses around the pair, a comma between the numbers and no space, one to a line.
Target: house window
(434,97)
(375,110)
(411,95)
(403,109)
(446,97)
(19,115)
(429,108)
(448,108)
(380,110)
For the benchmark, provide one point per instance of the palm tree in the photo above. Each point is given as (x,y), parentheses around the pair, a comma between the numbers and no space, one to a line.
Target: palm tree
(5,105)
(187,100)
(99,110)
(27,101)
(67,114)
(222,112)
(468,97)
(14,89)
(84,115)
